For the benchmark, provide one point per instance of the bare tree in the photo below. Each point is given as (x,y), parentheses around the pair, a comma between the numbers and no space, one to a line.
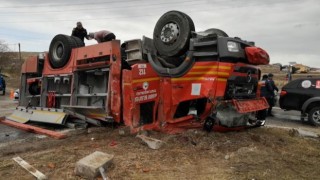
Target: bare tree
(6,55)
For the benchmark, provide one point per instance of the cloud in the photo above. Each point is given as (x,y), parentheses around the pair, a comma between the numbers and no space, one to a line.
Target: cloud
(287,29)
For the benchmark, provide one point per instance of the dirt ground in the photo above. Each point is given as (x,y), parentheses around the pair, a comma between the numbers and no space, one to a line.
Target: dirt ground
(259,153)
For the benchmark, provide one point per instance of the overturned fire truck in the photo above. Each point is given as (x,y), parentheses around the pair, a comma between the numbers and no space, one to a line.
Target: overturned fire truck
(180,79)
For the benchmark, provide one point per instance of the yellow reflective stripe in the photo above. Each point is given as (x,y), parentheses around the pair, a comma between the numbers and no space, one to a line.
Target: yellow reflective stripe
(196,79)
(188,79)
(210,72)
(211,67)
(183,79)
(145,80)
(18,118)
(225,67)
(222,79)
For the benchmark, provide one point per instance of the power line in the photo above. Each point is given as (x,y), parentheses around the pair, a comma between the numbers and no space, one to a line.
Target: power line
(118,17)
(92,19)
(67,4)
(125,17)
(111,8)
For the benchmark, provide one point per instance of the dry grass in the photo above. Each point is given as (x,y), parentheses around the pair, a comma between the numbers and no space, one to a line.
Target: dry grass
(263,153)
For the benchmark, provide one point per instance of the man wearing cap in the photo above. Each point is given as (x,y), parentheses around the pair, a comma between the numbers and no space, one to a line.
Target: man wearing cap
(270,87)
(80,32)
(102,36)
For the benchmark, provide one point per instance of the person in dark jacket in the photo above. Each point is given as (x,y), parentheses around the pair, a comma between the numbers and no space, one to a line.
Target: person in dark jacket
(80,32)
(262,114)
(2,85)
(270,95)
(262,83)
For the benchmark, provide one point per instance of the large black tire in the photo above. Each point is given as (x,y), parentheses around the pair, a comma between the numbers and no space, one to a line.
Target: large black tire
(60,50)
(172,33)
(314,116)
(191,24)
(217,32)
(78,41)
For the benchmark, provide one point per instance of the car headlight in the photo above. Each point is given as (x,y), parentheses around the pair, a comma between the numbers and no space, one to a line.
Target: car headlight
(232,46)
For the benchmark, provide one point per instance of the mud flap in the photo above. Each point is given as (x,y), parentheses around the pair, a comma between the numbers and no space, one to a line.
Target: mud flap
(252,105)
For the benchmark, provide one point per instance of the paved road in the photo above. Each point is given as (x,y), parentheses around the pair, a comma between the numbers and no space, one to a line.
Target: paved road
(290,119)
(8,134)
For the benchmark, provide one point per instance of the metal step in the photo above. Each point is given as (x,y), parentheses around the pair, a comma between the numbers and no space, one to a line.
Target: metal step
(45,115)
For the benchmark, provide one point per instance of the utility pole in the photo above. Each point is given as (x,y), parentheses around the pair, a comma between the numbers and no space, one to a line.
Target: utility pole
(20,54)
(290,70)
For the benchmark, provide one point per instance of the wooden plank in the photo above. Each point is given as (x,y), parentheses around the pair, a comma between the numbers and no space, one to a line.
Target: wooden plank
(29,168)
(34,129)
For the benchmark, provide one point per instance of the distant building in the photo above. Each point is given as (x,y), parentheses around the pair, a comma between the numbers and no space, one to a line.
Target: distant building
(315,69)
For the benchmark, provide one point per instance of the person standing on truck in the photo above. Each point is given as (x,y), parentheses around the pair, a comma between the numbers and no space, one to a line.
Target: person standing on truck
(102,36)
(270,87)
(80,32)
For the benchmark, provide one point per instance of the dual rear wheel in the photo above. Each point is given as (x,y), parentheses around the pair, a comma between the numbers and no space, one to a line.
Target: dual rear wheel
(60,49)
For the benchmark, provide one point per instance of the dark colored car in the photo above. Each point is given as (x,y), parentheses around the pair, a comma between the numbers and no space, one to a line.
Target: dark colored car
(302,95)
(2,85)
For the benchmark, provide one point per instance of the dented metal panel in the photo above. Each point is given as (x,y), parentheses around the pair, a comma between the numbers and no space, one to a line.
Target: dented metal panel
(244,106)
(48,116)
(20,116)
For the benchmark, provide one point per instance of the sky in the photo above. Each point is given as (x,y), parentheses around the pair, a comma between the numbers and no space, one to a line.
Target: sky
(287,29)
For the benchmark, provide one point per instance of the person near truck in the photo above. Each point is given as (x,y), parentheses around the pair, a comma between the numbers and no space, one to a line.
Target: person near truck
(102,36)
(262,114)
(2,85)
(270,96)
(80,32)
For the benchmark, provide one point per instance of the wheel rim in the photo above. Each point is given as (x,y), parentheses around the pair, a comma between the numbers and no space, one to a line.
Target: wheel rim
(58,51)
(316,116)
(169,33)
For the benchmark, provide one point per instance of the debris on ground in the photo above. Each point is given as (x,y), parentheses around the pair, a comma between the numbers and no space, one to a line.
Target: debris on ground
(151,142)
(39,175)
(234,155)
(88,166)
